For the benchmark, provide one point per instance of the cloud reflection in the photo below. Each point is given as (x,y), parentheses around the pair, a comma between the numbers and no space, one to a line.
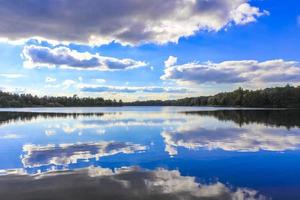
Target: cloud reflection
(127,183)
(9,136)
(246,139)
(64,154)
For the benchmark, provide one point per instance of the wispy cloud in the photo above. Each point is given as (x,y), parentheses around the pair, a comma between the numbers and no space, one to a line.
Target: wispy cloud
(65,84)
(98,80)
(116,89)
(66,58)
(49,79)
(68,83)
(12,76)
(10,136)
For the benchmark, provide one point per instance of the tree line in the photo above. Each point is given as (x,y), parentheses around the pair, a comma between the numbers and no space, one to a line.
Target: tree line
(28,100)
(278,97)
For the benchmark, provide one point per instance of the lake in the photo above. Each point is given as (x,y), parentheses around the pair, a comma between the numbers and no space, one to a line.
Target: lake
(149,153)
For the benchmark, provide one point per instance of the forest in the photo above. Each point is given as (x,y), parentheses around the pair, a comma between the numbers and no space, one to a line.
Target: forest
(28,100)
(277,97)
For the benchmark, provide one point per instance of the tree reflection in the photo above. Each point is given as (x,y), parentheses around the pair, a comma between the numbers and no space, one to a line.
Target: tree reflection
(287,118)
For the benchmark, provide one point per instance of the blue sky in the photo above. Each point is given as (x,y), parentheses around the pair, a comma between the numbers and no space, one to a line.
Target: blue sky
(119,49)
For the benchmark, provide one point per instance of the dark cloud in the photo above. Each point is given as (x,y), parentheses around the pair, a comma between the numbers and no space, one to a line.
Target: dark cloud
(124,21)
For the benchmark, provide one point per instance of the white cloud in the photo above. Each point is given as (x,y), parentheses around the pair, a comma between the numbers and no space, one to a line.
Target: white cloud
(49,79)
(245,14)
(12,76)
(68,83)
(66,58)
(98,80)
(244,71)
(125,21)
(170,61)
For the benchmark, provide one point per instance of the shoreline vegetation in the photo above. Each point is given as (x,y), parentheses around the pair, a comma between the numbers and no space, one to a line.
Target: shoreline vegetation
(277,97)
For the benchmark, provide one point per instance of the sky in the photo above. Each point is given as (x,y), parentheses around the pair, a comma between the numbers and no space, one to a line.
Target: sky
(141,50)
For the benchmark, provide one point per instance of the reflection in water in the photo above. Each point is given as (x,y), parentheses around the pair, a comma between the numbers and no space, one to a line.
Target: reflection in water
(250,139)
(124,183)
(117,121)
(64,154)
(152,139)
(287,118)
(245,138)
(187,129)
(12,117)
(9,136)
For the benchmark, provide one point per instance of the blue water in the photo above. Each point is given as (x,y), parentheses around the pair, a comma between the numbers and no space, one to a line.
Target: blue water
(217,153)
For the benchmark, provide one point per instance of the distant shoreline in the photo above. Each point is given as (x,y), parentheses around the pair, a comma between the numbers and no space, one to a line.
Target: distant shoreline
(278,97)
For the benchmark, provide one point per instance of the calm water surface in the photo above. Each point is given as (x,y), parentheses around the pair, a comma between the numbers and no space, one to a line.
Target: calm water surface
(149,153)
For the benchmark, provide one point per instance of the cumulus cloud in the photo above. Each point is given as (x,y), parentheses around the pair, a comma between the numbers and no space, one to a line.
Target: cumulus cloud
(127,183)
(172,60)
(115,89)
(245,14)
(66,58)
(126,21)
(244,71)
(64,154)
